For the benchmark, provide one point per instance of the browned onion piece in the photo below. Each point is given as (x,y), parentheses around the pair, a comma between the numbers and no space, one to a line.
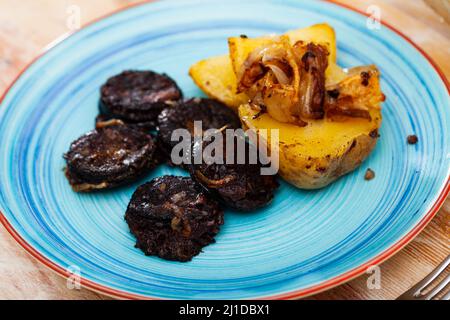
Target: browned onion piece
(281,76)
(344,107)
(260,62)
(314,62)
(355,95)
(213,183)
(276,61)
(252,74)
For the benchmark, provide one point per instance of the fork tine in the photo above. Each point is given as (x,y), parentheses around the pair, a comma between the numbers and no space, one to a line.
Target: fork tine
(441,286)
(416,291)
(447,296)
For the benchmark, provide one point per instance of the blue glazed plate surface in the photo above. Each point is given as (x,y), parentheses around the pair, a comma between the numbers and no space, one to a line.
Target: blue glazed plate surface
(305,241)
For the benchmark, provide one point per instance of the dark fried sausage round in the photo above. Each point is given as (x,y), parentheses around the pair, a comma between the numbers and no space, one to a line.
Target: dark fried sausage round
(212,114)
(137,97)
(172,218)
(239,186)
(108,156)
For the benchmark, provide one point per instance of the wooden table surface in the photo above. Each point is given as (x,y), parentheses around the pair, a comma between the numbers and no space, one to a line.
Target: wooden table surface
(27,26)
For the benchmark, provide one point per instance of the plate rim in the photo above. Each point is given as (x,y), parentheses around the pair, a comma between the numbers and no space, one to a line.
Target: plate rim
(294,294)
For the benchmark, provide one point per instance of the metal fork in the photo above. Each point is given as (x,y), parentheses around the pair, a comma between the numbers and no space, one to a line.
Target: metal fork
(416,292)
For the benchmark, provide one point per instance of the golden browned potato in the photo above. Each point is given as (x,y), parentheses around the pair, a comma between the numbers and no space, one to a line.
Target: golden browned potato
(217,80)
(312,157)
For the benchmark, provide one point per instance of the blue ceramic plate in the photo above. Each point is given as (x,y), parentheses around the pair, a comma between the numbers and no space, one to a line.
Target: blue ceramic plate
(304,242)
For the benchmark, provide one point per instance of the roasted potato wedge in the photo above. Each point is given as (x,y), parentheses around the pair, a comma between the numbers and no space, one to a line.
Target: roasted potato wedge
(217,80)
(312,157)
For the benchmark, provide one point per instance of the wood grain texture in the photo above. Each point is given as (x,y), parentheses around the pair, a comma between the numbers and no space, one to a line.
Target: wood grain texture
(27,26)
(442,7)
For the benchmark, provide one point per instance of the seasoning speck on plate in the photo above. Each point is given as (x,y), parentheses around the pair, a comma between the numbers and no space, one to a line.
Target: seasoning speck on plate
(412,139)
(370,174)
